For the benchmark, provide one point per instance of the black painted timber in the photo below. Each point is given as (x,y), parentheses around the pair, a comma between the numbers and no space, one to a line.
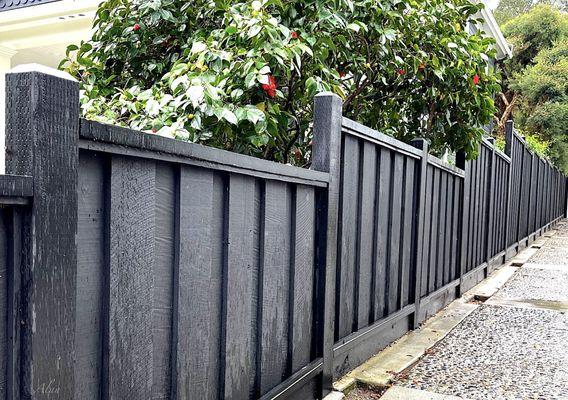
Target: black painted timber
(138,267)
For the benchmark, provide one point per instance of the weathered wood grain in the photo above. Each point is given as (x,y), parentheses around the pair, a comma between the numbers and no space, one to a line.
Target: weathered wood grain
(348,234)
(202,203)
(163,278)
(407,221)
(131,283)
(382,228)
(242,287)
(366,240)
(395,230)
(123,141)
(91,274)
(275,285)
(42,142)
(427,228)
(301,327)
(326,157)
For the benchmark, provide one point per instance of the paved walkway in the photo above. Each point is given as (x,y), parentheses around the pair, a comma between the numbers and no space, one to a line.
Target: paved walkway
(514,346)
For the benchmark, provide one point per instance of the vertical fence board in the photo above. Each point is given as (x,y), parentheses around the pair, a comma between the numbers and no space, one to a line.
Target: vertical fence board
(419,232)
(301,326)
(242,287)
(366,233)
(434,229)
(456,227)
(472,213)
(442,213)
(275,285)
(199,283)
(424,264)
(163,278)
(348,233)
(408,228)
(394,234)
(383,207)
(131,283)
(91,271)
(448,242)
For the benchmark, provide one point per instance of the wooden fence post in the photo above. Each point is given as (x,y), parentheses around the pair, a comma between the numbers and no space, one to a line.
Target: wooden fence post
(327,158)
(42,132)
(464,199)
(418,241)
(508,152)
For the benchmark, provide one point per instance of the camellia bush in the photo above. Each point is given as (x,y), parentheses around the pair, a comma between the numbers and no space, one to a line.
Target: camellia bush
(242,75)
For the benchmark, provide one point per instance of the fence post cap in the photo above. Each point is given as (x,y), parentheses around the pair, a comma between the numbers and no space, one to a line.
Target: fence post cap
(33,67)
(419,143)
(327,94)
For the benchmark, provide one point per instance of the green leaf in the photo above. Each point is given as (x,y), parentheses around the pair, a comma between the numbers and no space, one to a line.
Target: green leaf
(254,114)
(254,30)
(229,116)
(198,47)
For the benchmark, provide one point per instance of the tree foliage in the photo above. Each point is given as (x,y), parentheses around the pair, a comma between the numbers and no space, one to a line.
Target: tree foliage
(241,75)
(509,9)
(544,110)
(532,32)
(536,80)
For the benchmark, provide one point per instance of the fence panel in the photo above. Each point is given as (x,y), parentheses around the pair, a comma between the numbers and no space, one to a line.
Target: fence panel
(211,272)
(498,194)
(375,239)
(196,272)
(442,211)
(185,272)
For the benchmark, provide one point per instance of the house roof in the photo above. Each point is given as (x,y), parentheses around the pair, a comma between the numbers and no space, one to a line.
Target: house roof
(491,27)
(6,5)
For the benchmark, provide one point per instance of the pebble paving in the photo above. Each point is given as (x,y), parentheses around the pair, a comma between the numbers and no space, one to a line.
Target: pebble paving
(507,352)
(546,284)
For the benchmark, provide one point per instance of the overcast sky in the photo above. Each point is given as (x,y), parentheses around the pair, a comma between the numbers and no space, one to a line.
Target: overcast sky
(492,4)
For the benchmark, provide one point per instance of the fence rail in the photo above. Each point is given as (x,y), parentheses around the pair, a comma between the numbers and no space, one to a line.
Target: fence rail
(134,266)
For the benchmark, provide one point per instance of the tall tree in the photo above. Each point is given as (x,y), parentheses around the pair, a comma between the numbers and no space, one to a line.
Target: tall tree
(544,107)
(509,9)
(529,33)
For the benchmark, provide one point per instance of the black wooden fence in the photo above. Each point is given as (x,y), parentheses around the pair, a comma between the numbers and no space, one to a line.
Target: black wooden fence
(139,267)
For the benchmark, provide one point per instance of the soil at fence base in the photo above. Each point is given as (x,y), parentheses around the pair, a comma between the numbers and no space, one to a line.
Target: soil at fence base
(365,393)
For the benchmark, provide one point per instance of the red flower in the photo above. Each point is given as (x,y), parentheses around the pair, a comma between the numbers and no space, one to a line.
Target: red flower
(136,27)
(476,79)
(401,71)
(270,87)
(294,35)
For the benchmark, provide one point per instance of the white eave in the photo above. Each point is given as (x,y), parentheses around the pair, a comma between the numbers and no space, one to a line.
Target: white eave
(54,22)
(491,27)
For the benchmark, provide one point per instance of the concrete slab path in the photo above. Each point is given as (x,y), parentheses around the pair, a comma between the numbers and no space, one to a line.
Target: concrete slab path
(514,346)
